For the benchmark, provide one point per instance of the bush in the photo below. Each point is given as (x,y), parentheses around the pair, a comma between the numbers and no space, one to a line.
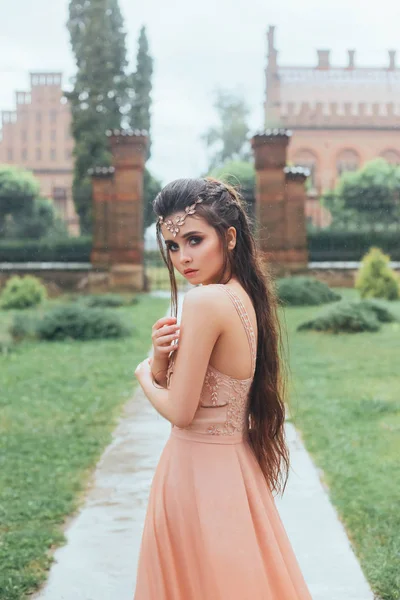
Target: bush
(62,250)
(331,244)
(351,317)
(80,323)
(381,311)
(22,292)
(106,301)
(375,278)
(23,326)
(304,291)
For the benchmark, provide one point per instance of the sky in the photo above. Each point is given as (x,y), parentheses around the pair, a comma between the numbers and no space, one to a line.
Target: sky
(199,47)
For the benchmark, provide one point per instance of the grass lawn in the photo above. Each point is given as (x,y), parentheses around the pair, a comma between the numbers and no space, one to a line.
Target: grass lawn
(345,399)
(59,403)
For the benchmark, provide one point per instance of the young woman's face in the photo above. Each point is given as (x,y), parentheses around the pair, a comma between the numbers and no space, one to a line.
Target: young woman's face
(196,250)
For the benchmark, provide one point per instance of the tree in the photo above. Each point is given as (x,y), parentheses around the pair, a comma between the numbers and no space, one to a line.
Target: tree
(139,115)
(18,189)
(228,140)
(100,90)
(242,176)
(368,196)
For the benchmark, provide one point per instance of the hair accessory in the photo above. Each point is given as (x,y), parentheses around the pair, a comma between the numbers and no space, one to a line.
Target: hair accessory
(174,226)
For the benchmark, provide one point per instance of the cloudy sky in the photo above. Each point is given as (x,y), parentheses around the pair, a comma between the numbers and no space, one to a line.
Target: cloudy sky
(199,46)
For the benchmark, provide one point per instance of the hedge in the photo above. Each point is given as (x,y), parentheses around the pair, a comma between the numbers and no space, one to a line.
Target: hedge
(331,245)
(323,245)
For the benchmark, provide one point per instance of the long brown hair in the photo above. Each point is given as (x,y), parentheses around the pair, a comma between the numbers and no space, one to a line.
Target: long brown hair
(222,207)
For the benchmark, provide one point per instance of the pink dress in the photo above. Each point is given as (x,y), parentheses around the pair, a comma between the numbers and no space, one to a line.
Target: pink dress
(212,530)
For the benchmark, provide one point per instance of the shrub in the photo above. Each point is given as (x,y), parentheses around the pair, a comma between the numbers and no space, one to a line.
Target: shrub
(22,292)
(80,323)
(380,310)
(350,317)
(304,291)
(106,301)
(375,278)
(23,326)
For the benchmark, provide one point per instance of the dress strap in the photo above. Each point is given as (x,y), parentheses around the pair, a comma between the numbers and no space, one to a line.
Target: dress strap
(242,312)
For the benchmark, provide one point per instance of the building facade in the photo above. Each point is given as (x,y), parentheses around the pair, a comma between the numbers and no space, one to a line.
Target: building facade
(341,117)
(36,135)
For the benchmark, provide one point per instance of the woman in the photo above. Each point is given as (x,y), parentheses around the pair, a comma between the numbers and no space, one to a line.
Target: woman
(212,531)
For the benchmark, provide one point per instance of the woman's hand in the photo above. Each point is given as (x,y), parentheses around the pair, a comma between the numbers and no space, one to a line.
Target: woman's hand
(164,332)
(143,369)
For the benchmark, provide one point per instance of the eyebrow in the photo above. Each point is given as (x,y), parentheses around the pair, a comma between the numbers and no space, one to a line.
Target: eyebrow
(185,235)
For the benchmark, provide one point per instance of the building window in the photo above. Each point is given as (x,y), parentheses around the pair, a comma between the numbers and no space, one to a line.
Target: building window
(9,154)
(38,117)
(38,154)
(68,155)
(53,135)
(60,200)
(24,154)
(38,135)
(52,154)
(391,156)
(24,135)
(307,159)
(53,116)
(347,160)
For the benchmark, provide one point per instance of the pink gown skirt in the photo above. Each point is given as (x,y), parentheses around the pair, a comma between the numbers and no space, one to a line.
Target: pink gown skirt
(212,530)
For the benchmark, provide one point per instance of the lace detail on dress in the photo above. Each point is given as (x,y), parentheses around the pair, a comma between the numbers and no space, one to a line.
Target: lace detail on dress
(236,411)
(212,383)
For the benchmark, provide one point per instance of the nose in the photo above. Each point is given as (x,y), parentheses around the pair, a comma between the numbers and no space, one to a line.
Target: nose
(184,257)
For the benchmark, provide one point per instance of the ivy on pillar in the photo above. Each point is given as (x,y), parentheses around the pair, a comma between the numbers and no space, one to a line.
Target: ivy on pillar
(118,244)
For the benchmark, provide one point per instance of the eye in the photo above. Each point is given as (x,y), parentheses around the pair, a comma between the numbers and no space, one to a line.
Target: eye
(194,238)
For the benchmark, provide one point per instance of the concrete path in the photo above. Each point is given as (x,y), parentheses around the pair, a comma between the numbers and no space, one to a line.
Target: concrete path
(103,540)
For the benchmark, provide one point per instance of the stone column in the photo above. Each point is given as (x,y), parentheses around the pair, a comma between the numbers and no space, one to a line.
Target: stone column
(118,211)
(270,149)
(296,259)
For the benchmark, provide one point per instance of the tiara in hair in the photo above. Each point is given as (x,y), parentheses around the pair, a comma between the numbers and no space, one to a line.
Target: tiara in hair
(174,225)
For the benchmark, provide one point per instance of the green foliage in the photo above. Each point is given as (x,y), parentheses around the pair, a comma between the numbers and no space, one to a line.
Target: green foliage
(40,222)
(229,139)
(350,317)
(375,278)
(330,244)
(368,196)
(18,189)
(46,250)
(23,326)
(106,300)
(304,291)
(22,292)
(100,90)
(139,115)
(80,323)
(151,187)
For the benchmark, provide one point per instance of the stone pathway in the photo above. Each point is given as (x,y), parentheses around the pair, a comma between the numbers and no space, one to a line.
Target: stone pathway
(103,539)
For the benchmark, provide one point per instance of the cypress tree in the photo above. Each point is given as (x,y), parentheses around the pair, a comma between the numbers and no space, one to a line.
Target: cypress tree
(100,90)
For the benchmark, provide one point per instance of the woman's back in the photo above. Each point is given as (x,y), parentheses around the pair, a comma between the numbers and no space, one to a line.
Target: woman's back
(223,400)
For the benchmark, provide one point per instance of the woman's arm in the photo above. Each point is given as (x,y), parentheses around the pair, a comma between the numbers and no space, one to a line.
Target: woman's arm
(201,325)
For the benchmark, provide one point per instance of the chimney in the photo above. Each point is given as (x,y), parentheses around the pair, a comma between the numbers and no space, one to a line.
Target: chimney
(392,60)
(351,54)
(270,38)
(323,59)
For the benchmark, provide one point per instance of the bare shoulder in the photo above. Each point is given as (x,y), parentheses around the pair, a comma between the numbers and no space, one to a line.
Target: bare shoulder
(206,298)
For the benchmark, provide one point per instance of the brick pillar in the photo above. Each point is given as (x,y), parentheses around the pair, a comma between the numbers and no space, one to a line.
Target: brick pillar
(270,159)
(296,259)
(103,191)
(118,211)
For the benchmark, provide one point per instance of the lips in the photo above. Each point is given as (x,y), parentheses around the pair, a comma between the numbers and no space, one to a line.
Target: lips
(189,271)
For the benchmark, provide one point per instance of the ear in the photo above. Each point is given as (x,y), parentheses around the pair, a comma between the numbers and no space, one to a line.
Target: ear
(231,238)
